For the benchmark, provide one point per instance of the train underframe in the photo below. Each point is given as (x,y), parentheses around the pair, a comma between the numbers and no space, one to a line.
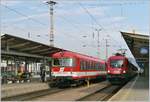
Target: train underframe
(118,79)
(68,81)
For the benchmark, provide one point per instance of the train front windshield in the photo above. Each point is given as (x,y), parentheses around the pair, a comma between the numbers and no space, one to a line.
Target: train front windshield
(116,63)
(63,62)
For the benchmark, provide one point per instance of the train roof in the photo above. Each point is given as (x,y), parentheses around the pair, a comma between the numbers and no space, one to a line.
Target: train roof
(131,60)
(73,54)
(117,57)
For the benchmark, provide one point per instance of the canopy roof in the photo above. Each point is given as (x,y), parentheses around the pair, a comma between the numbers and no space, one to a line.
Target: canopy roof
(20,46)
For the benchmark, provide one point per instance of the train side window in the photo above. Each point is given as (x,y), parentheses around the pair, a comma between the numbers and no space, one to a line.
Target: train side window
(99,66)
(94,66)
(81,64)
(89,65)
(84,65)
(103,67)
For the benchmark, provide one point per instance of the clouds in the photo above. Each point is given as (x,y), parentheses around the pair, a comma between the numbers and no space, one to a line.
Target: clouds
(11,2)
(76,10)
(22,18)
(71,22)
(118,19)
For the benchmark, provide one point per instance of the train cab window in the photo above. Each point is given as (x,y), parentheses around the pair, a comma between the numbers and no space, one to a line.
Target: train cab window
(116,63)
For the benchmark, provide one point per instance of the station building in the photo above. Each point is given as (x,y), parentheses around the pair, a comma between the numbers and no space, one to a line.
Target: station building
(139,46)
(23,55)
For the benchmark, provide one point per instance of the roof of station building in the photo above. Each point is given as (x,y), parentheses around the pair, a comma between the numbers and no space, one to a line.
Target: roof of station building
(18,45)
(138,39)
(135,35)
(138,44)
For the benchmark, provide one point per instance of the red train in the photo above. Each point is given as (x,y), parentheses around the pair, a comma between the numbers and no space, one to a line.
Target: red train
(69,68)
(119,69)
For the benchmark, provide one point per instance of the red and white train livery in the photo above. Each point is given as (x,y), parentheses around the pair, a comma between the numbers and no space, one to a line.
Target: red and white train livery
(119,69)
(71,67)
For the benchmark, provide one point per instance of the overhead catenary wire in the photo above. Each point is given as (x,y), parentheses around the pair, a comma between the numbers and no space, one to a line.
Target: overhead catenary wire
(104,4)
(71,23)
(19,13)
(95,21)
(36,22)
(28,17)
(5,26)
(75,25)
(91,16)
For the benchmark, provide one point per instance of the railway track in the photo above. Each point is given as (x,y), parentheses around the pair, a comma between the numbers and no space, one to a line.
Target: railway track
(102,94)
(58,94)
(32,95)
(71,94)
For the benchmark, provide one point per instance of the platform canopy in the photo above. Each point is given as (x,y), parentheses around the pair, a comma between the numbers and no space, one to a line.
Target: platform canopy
(13,45)
(139,46)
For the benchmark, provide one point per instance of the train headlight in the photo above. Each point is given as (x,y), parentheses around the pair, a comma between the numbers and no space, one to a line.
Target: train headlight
(108,71)
(124,71)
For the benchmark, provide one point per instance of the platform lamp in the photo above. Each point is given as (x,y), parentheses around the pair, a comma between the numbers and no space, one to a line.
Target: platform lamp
(51,5)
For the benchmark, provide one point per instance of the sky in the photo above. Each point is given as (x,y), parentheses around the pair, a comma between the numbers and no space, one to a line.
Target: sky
(75,22)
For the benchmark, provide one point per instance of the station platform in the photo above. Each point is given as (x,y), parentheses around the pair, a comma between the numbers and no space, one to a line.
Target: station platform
(135,90)
(8,90)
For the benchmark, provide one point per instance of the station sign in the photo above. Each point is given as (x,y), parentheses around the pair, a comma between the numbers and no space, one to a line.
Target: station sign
(144,50)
